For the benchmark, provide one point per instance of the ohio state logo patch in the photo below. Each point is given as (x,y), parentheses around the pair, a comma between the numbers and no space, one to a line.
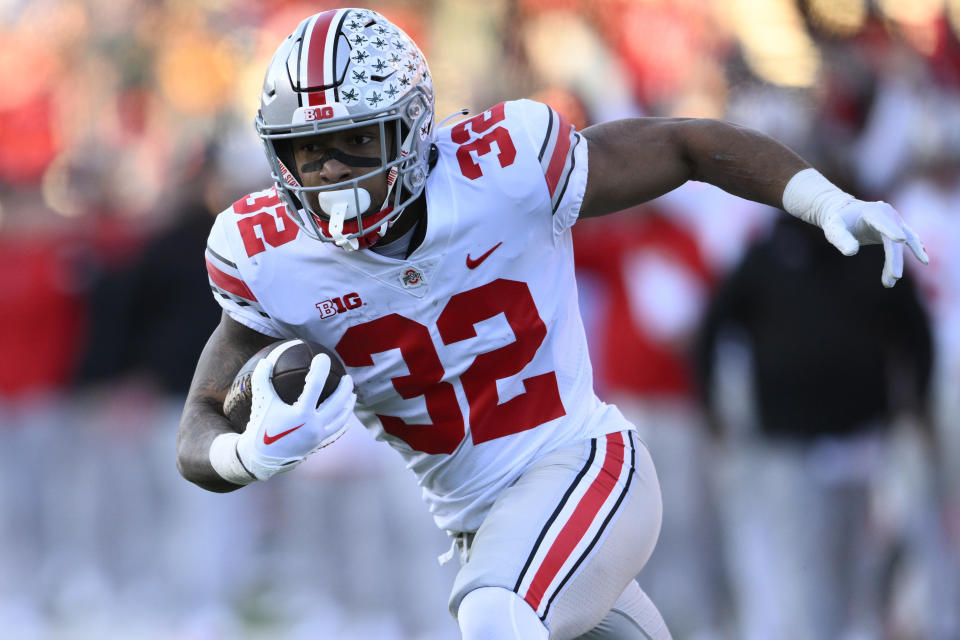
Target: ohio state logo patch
(411,278)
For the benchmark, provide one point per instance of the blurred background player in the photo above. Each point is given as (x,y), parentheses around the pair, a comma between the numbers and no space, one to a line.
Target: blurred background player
(807,543)
(644,285)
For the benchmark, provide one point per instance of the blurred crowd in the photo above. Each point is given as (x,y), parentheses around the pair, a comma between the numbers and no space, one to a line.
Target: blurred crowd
(802,418)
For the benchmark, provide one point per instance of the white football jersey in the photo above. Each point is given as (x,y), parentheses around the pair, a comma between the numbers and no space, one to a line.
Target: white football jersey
(469,357)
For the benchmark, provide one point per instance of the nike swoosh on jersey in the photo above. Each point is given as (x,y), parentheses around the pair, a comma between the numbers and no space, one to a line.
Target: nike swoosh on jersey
(474,263)
(267,439)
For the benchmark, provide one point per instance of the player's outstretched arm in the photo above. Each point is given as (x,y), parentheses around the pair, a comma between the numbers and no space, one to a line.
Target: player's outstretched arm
(638,159)
(230,345)
(635,160)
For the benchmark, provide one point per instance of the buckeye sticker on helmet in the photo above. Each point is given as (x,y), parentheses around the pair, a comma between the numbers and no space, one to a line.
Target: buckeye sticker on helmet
(358,40)
(355,23)
(359,56)
(380,42)
(375,98)
(350,95)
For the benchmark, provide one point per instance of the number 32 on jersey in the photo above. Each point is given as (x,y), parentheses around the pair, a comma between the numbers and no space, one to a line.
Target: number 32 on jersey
(485,126)
(489,419)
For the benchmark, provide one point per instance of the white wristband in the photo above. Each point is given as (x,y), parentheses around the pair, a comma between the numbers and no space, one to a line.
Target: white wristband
(808,196)
(226,461)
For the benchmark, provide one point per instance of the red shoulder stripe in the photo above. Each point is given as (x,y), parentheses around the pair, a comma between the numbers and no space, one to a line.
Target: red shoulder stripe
(560,151)
(229,284)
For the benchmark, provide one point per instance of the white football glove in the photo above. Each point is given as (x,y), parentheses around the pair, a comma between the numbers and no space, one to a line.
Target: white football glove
(279,436)
(849,223)
(859,223)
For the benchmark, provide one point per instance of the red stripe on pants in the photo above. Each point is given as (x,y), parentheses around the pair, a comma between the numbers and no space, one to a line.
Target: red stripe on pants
(583,515)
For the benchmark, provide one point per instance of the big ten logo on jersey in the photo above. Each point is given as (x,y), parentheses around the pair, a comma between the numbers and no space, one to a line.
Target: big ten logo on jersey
(317,113)
(487,124)
(268,224)
(344,303)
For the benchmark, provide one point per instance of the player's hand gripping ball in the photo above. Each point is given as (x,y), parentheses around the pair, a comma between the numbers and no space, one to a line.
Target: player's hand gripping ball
(287,401)
(288,375)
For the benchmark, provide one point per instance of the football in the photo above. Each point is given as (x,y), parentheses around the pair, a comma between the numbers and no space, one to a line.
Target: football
(289,375)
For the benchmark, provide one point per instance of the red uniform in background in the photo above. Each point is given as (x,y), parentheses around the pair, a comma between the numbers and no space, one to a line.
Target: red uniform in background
(644,285)
(643,264)
(42,313)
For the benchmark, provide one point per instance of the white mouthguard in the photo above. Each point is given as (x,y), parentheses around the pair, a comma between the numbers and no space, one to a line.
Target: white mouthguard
(345,197)
(341,205)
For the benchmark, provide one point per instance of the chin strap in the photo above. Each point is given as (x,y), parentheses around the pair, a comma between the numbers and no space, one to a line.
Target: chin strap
(337,214)
(341,205)
(364,241)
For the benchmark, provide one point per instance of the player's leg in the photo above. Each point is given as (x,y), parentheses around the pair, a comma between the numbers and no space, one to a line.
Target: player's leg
(496,613)
(633,617)
(570,534)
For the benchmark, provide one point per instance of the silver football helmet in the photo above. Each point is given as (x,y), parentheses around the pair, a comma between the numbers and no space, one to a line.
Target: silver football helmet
(338,70)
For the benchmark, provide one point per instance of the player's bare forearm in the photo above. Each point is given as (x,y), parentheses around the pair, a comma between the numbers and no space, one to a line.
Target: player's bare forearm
(229,347)
(638,159)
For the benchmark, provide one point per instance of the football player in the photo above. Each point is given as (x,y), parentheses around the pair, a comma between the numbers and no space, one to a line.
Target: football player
(437,263)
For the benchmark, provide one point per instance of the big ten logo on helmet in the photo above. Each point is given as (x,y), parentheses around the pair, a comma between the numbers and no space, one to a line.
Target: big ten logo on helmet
(318,113)
(344,303)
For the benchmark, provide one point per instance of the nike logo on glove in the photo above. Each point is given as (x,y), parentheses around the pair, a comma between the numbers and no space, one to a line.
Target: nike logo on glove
(473,264)
(267,439)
